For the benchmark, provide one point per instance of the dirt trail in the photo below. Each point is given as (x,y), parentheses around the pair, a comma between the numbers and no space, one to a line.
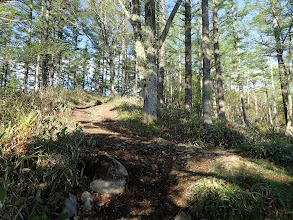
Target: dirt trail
(155,189)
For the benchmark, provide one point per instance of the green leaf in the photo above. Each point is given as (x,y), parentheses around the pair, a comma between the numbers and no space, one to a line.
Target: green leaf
(2,194)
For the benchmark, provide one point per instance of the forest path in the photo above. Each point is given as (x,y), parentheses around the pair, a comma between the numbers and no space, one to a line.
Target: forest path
(158,186)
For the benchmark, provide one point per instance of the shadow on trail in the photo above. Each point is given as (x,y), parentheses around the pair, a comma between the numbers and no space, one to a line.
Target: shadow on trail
(86,107)
(150,168)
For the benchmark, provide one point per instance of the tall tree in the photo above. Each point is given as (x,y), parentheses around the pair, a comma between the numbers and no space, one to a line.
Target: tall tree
(150,114)
(150,107)
(161,75)
(207,115)
(46,56)
(282,69)
(238,68)
(220,87)
(188,68)
(123,57)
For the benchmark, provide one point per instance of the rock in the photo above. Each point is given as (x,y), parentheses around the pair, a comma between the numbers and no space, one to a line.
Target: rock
(109,175)
(120,168)
(163,142)
(181,147)
(70,206)
(183,216)
(110,187)
(87,199)
(105,167)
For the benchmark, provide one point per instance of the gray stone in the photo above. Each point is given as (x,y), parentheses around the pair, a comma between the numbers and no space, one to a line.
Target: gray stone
(163,142)
(119,167)
(87,199)
(181,147)
(183,216)
(70,206)
(110,187)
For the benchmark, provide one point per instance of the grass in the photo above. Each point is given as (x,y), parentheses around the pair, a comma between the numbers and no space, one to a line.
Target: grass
(40,158)
(131,117)
(257,186)
(236,187)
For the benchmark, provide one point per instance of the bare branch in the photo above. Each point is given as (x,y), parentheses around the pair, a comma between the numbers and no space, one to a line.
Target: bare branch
(168,23)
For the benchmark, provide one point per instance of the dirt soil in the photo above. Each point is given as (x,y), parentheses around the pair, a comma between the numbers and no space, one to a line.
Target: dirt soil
(161,176)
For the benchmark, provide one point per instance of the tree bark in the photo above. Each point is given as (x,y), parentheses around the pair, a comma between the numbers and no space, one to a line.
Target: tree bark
(268,105)
(98,74)
(283,74)
(220,87)
(255,101)
(112,75)
(135,86)
(188,68)
(123,92)
(215,99)
(161,75)
(6,74)
(59,57)
(207,116)
(179,64)
(37,73)
(139,46)
(240,83)
(150,111)
(26,73)
(274,96)
(46,57)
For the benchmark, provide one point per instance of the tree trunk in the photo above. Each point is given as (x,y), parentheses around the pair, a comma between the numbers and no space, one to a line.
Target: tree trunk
(135,78)
(248,101)
(207,116)
(52,70)
(98,73)
(37,73)
(237,54)
(150,111)
(179,64)
(242,108)
(75,58)
(220,88)
(123,59)
(59,58)
(26,73)
(139,46)
(6,74)
(2,76)
(268,105)
(104,70)
(188,68)
(274,97)
(112,75)
(215,99)
(255,101)
(200,58)
(283,75)
(46,57)
(162,58)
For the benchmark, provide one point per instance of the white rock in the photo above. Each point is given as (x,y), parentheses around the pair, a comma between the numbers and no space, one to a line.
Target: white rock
(87,199)
(110,187)
(183,216)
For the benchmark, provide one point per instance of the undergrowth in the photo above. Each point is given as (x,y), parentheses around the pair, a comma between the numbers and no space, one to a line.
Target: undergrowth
(40,152)
(263,190)
(131,116)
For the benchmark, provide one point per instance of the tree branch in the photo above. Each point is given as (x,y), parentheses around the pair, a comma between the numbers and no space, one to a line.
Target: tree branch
(168,23)
(125,11)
